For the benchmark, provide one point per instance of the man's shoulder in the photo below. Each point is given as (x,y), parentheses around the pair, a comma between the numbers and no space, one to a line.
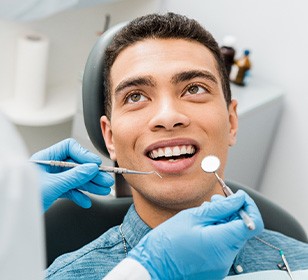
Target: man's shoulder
(96,259)
(280,240)
(263,252)
(86,262)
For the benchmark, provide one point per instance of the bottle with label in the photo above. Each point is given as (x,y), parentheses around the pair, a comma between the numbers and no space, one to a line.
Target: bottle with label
(228,52)
(241,69)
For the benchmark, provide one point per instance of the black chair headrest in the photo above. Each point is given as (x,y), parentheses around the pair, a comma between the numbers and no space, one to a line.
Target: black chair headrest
(93,89)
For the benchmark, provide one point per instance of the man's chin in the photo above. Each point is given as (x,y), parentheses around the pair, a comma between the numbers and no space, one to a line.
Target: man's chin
(175,204)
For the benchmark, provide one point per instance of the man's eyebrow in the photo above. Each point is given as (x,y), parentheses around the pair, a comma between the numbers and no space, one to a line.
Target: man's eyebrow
(135,81)
(190,74)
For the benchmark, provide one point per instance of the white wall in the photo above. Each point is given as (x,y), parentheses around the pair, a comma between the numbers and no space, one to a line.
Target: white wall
(276,32)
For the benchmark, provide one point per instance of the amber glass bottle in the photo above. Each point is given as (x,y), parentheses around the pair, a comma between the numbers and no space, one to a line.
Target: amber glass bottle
(240,69)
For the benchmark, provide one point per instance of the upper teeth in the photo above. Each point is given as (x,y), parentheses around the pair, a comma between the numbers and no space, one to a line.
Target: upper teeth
(172,151)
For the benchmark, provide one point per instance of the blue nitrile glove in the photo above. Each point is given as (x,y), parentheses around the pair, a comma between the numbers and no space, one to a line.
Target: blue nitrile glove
(198,243)
(61,182)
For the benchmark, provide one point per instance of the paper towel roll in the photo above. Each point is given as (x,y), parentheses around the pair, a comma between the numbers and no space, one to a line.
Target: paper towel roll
(30,71)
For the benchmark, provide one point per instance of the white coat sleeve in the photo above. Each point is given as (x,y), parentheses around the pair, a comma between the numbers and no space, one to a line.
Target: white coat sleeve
(21,221)
(128,269)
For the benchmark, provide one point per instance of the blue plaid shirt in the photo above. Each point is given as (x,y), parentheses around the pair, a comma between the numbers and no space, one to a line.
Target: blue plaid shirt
(96,259)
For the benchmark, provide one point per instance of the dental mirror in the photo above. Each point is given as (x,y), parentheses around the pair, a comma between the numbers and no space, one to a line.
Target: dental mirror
(210,164)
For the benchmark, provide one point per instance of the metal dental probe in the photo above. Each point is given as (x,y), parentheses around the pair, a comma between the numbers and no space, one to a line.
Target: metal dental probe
(116,170)
(210,164)
(247,220)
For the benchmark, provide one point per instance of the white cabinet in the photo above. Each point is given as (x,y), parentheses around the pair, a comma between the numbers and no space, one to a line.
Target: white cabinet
(259,109)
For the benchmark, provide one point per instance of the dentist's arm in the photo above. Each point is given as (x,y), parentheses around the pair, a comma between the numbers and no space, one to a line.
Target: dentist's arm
(197,243)
(58,182)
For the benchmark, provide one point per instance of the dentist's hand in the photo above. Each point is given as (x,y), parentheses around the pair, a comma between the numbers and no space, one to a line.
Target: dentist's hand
(61,182)
(198,243)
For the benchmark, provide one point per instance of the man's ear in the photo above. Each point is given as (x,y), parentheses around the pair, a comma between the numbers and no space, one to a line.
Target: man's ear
(107,134)
(233,121)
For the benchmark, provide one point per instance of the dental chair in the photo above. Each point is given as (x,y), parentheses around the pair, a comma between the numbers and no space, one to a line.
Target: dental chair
(69,227)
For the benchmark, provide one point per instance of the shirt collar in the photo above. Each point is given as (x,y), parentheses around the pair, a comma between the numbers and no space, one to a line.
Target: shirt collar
(133,227)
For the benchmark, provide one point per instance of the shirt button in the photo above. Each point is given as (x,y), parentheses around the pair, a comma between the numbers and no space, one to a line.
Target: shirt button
(239,269)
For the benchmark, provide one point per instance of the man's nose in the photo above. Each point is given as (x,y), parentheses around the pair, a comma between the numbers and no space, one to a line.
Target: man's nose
(169,114)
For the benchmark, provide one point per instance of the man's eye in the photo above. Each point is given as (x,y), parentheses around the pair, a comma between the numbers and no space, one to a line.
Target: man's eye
(135,97)
(196,89)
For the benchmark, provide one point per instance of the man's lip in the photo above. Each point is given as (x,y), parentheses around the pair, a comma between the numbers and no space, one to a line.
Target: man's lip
(171,143)
(173,167)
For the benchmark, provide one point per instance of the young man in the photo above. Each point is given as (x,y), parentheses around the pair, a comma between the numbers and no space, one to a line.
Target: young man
(169,105)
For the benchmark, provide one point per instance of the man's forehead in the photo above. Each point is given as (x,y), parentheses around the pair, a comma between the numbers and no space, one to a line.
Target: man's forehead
(175,49)
(160,41)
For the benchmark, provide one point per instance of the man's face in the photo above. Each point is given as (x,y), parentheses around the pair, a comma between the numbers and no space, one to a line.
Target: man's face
(168,113)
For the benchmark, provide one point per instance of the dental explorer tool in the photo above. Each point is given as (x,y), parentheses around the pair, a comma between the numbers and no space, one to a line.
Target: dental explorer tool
(116,170)
(210,164)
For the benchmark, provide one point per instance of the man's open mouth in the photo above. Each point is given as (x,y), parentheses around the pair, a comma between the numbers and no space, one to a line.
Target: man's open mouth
(172,153)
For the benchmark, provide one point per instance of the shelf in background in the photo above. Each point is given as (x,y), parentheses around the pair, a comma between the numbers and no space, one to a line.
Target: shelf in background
(255,95)
(61,106)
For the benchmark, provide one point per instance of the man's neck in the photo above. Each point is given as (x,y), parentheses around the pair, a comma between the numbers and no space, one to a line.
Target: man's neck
(152,215)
